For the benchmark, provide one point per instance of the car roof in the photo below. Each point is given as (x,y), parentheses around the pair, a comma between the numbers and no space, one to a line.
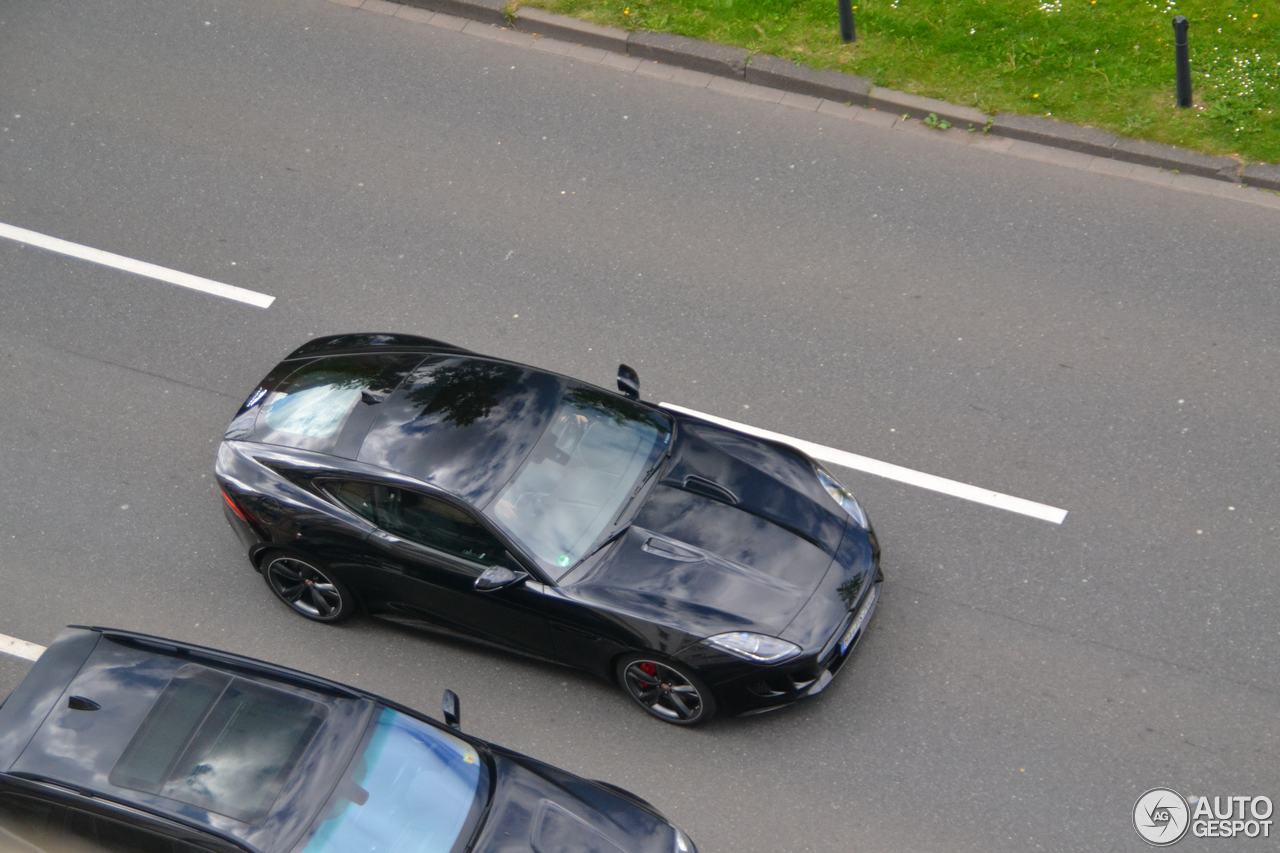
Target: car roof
(458,421)
(88,698)
(463,424)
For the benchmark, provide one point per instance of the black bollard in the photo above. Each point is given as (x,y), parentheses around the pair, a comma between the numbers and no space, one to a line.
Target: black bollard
(846,20)
(1182,59)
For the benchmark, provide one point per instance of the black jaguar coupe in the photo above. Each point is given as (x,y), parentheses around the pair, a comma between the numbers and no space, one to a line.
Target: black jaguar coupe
(699,568)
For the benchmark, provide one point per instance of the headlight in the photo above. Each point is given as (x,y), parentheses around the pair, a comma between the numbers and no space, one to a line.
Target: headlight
(757,647)
(683,843)
(841,495)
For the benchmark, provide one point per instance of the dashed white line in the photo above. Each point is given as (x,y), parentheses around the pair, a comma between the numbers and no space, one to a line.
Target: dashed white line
(120,262)
(14,647)
(888,470)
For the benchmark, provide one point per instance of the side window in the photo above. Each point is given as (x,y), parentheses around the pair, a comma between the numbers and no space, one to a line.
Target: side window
(355,496)
(440,525)
(30,824)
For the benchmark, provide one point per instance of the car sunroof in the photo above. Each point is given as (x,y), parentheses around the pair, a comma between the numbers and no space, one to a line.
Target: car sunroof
(218,742)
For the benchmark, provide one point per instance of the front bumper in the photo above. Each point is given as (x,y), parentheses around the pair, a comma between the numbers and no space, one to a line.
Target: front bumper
(793,681)
(747,688)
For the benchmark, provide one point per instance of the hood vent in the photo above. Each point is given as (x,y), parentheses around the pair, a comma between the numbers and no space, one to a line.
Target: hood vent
(672,550)
(700,485)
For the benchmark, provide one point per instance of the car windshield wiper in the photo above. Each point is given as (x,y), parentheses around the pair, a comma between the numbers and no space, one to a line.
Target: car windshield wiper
(613,534)
(648,474)
(616,529)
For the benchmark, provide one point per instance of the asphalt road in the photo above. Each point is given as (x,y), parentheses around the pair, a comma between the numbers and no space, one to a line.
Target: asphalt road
(1093,343)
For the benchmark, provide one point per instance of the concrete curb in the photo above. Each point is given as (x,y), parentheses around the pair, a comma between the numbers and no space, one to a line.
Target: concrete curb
(1043,131)
(838,88)
(696,55)
(915,106)
(1265,175)
(766,70)
(488,11)
(555,26)
(1100,143)
(1177,159)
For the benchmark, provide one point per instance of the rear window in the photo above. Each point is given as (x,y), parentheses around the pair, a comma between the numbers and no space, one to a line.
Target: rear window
(220,743)
(316,404)
(314,412)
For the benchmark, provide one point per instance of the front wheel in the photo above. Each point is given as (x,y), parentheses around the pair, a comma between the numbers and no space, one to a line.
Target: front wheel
(308,590)
(665,689)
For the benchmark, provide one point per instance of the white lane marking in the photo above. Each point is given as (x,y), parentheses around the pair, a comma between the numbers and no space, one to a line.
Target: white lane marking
(120,262)
(844,459)
(19,648)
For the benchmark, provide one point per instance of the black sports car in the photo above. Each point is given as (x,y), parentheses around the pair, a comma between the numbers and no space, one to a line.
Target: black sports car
(122,742)
(698,567)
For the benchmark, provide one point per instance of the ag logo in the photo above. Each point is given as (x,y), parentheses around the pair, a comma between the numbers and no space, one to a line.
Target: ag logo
(1161,816)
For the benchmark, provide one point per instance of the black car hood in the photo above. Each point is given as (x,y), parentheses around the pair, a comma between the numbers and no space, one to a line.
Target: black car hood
(762,478)
(538,807)
(734,537)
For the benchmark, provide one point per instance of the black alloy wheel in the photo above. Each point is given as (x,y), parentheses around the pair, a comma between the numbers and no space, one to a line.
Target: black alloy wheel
(307,590)
(666,690)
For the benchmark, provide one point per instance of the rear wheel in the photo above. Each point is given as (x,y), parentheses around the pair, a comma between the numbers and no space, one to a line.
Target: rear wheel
(307,589)
(666,690)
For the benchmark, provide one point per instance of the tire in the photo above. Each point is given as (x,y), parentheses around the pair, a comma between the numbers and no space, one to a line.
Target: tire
(306,588)
(665,689)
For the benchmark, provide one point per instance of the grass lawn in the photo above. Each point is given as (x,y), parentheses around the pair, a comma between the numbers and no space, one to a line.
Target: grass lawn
(1107,63)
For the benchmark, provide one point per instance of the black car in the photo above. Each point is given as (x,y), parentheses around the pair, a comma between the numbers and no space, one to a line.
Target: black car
(118,741)
(698,567)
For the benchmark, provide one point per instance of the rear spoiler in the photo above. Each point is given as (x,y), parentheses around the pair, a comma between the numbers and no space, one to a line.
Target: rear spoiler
(24,711)
(362,342)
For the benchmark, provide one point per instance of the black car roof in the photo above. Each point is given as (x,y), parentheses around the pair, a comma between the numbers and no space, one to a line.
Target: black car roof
(459,421)
(463,424)
(44,735)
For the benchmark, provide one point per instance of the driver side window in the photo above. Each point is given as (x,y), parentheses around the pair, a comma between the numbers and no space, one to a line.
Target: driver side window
(440,525)
(27,823)
(355,496)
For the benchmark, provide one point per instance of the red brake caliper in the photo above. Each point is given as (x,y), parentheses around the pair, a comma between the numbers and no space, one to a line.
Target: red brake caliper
(649,668)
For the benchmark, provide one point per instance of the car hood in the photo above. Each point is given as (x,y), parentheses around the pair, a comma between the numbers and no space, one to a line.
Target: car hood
(735,536)
(764,479)
(539,807)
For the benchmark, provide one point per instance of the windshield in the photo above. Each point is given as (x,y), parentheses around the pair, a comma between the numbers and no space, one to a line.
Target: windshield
(412,788)
(592,455)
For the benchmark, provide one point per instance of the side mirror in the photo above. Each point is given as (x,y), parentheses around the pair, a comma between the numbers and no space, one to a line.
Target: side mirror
(629,381)
(452,707)
(498,577)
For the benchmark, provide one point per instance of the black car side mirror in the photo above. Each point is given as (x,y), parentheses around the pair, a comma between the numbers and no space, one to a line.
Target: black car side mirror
(498,577)
(452,707)
(629,381)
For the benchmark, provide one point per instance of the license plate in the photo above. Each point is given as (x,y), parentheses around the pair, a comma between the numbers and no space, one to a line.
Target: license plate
(864,613)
